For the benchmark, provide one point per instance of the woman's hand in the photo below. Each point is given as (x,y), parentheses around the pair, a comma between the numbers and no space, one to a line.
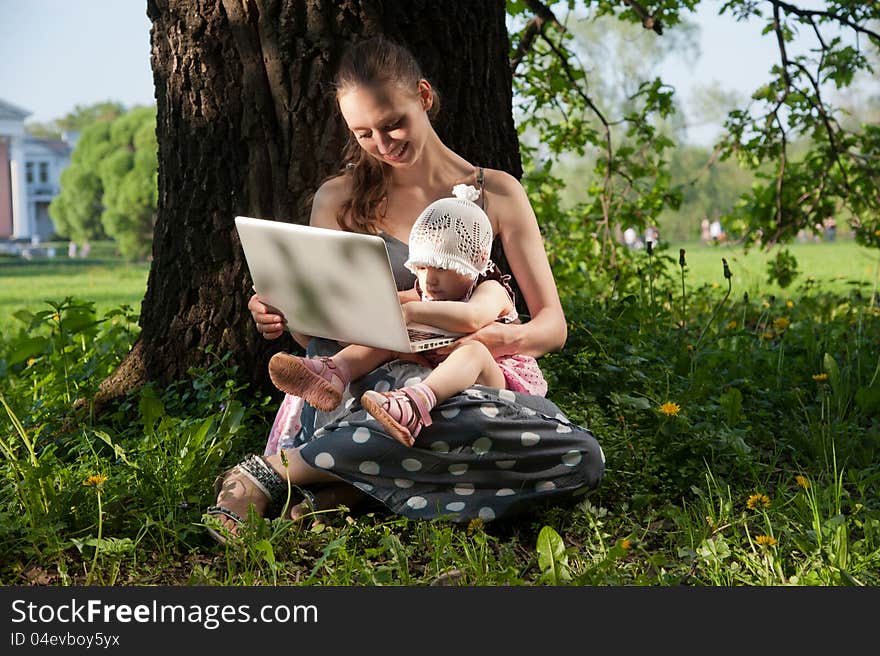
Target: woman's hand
(499,338)
(269,320)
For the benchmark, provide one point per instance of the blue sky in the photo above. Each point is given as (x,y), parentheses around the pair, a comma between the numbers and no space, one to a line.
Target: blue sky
(56,54)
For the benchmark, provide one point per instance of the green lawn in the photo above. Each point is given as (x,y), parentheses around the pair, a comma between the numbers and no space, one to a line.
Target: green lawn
(108,283)
(835,266)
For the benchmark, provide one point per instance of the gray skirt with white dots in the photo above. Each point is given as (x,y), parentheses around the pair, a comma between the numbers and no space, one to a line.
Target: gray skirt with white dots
(488,454)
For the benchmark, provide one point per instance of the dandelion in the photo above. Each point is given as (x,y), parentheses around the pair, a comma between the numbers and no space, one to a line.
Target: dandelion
(626,544)
(781,323)
(731,325)
(670,409)
(476,524)
(756,500)
(690,347)
(802,481)
(789,304)
(765,540)
(820,377)
(56,317)
(30,361)
(95,480)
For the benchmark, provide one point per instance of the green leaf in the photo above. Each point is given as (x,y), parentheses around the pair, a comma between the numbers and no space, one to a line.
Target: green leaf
(27,347)
(833,371)
(638,402)
(552,558)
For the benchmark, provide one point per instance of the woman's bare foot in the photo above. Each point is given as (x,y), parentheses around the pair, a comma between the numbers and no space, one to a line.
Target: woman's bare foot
(237,493)
(327,497)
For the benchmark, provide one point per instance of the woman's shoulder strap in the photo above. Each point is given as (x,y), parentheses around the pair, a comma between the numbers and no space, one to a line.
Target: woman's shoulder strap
(481,176)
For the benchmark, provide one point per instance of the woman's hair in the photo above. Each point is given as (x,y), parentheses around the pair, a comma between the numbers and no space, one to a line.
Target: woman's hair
(374,62)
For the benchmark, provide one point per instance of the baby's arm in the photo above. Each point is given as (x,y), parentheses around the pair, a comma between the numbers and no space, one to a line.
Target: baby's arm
(488,302)
(408,295)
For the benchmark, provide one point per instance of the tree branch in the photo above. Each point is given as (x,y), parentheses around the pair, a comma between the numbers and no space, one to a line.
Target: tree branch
(649,22)
(533,28)
(805,13)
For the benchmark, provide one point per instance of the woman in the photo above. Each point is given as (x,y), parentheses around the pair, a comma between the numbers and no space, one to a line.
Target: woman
(491,452)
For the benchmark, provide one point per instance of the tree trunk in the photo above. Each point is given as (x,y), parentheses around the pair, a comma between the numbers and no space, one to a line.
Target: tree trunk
(247,125)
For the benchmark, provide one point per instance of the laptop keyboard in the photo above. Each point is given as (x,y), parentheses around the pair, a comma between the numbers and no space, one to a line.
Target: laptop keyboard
(416,334)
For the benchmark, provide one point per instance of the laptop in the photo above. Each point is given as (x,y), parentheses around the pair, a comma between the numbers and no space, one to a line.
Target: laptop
(333,284)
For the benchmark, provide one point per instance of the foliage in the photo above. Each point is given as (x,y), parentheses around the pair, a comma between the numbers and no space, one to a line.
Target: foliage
(78,120)
(782,269)
(792,156)
(110,187)
(740,434)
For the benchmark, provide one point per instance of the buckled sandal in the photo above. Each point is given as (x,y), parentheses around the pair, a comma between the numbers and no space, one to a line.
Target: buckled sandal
(269,482)
(402,413)
(317,380)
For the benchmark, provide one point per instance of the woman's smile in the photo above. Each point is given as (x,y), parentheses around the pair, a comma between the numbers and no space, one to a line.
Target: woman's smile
(397,153)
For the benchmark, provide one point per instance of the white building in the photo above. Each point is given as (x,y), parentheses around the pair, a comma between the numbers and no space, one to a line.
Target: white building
(30,170)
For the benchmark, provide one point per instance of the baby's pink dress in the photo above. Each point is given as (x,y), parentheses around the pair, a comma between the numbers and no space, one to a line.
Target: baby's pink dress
(521,372)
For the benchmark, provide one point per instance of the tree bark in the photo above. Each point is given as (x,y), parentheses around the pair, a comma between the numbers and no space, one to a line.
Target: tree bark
(247,124)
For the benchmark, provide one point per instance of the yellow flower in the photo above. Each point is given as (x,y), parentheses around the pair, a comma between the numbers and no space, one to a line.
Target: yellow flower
(758,500)
(476,524)
(670,409)
(95,480)
(765,540)
(30,361)
(690,347)
(625,544)
(789,304)
(802,480)
(56,317)
(731,325)
(820,377)
(781,323)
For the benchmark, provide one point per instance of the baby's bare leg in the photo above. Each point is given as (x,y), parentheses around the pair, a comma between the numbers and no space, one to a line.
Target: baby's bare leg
(468,364)
(359,360)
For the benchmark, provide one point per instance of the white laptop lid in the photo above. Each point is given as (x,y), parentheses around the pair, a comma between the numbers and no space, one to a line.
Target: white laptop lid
(327,283)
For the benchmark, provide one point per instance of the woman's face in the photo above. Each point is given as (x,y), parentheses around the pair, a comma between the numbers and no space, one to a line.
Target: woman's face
(443,284)
(390,124)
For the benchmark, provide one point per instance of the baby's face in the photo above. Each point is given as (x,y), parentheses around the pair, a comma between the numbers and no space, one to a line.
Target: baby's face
(443,284)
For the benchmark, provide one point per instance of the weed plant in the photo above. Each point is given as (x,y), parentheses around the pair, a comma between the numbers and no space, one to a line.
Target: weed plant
(741,435)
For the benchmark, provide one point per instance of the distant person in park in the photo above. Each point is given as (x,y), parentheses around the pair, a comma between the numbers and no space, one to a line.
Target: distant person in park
(716,232)
(631,238)
(458,288)
(829,227)
(705,233)
(489,452)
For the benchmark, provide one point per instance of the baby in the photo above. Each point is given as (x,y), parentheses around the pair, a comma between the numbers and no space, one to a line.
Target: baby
(458,288)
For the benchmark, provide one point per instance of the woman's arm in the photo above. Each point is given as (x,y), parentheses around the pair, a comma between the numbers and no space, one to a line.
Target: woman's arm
(488,302)
(514,221)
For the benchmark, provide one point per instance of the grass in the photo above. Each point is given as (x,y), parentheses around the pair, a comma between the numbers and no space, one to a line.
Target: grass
(107,282)
(741,440)
(835,266)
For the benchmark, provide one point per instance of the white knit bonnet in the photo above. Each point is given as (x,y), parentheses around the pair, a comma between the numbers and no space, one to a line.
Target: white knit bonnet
(452,233)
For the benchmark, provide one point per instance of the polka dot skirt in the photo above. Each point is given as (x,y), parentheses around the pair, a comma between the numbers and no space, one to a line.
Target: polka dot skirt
(489,453)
